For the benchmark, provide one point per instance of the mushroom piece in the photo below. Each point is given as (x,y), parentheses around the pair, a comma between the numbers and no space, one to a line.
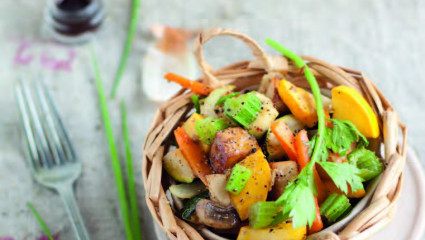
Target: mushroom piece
(217,217)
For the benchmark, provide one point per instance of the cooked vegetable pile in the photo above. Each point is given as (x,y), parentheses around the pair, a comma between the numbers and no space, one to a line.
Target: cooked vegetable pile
(277,163)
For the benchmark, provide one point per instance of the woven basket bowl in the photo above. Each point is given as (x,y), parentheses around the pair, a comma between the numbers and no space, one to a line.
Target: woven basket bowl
(371,214)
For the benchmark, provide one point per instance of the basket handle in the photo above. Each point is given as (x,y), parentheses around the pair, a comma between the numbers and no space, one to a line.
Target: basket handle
(206,35)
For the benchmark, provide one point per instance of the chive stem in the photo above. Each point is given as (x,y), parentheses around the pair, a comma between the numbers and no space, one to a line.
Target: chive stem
(129,40)
(112,148)
(40,220)
(131,184)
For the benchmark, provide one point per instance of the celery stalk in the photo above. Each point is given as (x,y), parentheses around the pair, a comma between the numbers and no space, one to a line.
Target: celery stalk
(262,214)
(207,128)
(367,162)
(243,109)
(334,206)
(238,179)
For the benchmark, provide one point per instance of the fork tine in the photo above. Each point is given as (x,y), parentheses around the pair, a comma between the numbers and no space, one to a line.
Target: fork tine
(40,137)
(52,131)
(32,147)
(63,135)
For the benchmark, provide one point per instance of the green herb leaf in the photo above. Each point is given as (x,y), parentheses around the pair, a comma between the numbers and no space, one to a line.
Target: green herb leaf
(127,48)
(340,137)
(135,220)
(190,206)
(317,151)
(298,198)
(195,100)
(112,148)
(40,220)
(323,151)
(343,174)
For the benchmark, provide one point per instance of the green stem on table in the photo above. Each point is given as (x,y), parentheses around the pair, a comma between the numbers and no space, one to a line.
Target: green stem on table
(131,184)
(40,220)
(112,148)
(129,40)
(316,93)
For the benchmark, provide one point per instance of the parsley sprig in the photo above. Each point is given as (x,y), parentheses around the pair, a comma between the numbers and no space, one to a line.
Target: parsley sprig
(298,198)
(343,174)
(340,137)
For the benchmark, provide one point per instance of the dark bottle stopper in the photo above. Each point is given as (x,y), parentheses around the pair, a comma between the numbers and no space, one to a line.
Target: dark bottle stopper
(73,21)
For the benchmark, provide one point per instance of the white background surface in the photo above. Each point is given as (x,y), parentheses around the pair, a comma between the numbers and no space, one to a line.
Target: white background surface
(382,38)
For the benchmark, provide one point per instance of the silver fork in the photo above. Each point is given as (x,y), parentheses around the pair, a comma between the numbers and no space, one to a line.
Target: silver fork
(53,159)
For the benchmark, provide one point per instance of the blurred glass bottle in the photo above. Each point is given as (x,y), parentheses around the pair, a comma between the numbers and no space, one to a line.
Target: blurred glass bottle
(72,21)
(169,54)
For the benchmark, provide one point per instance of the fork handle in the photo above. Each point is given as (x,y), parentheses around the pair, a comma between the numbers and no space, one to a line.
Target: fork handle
(67,194)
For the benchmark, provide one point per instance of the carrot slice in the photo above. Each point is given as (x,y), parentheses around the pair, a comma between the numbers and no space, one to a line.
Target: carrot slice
(317,224)
(285,137)
(301,149)
(193,154)
(330,187)
(327,122)
(197,87)
(301,139)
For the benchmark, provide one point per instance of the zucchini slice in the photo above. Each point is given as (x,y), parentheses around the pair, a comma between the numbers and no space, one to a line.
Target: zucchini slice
(178,167)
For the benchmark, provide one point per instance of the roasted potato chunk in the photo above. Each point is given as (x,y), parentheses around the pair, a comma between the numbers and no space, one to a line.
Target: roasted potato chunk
(284,173)
(218,193)
(268,87)
(231,146)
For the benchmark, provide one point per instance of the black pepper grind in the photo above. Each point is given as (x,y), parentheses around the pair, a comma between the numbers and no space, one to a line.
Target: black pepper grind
(73,21)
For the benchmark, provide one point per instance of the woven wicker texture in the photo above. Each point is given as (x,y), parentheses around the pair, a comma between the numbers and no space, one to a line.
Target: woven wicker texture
(381,207)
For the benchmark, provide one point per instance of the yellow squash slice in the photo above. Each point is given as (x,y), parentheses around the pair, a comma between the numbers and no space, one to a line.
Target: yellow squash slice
(299,101)
(282,231)
(350,105)
(257,187)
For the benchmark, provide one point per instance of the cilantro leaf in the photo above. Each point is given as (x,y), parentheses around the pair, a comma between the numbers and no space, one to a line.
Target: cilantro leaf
(343,174)
(298,199)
